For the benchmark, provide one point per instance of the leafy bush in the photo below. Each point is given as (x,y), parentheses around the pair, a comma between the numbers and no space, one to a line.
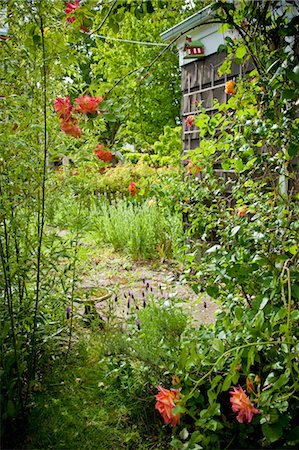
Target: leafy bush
(168,148)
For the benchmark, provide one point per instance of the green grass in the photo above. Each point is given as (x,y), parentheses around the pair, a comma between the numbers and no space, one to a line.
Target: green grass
(83,406)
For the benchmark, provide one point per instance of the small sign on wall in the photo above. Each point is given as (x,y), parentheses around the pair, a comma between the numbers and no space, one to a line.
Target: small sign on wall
(193,49)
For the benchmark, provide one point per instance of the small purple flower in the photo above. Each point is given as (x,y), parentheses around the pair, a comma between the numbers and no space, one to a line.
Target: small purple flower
(121,328)
(68,312)
(138,324)
(144,302)
(137,307)
(132,295)
(147,285)
(204,304)
(129,333)
(125,295)
(129,302)
(115,298)
(151,289)
(143,280)
(143,293)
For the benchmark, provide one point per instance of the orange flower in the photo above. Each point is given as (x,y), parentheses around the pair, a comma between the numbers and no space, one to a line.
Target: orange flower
(63,107)
(190,121)
(192,168)
(230,87)
(104,155)
(87,104)
(70,127)
(242,211)
(242,405)
(133,188)
(166,400)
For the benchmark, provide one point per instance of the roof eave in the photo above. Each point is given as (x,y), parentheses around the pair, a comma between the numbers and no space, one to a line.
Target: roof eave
(198,18)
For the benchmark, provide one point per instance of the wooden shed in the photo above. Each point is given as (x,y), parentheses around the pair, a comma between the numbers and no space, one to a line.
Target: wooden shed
(198,41)
(200,79)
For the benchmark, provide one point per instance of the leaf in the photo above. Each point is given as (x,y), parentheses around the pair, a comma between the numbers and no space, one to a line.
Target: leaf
(178,409)
(213,291)
(293,75)
(240,53)
(264,302)
(11,408)
(293,436)
(293,249)
(235,230)
(184,434)
(218,345)
(238,163)
(224,27)
(293,149)
(259,320)
(222,48)
(227,382)
(250,358)
(282,380)
(272,432)
(288,94)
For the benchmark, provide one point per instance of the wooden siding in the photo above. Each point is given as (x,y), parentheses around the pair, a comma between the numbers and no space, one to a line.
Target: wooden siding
(201,82)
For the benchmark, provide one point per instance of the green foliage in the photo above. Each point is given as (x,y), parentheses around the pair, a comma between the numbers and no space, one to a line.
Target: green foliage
(143,231)
(169,147)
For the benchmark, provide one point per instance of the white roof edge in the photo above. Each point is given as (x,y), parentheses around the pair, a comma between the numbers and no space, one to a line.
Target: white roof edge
(196,19)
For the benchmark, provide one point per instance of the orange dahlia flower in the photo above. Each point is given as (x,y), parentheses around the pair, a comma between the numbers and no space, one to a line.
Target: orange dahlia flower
(63,107)
(87,104)
(133,188)
(230,87)
(166,400)
(242,405)
(104,155)
(70,127)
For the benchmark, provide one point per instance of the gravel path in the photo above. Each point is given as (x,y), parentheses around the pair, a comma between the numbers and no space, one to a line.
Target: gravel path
(121,276)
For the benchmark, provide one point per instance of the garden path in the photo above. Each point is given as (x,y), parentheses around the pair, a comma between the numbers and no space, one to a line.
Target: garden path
(121,275)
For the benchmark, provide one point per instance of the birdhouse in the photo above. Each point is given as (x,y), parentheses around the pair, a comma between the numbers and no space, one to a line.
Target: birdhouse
(193,49)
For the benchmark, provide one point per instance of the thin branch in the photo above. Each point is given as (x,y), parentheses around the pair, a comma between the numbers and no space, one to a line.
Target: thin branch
(41,212)
(105,18)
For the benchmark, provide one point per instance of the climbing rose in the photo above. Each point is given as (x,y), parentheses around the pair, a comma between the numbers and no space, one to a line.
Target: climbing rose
(242,405)
(101,153)
(230,87)
(242,211)
(133,188)
(87,104)
(70,127)
(63,107)
(71,7)
(190,121)
(166,402)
